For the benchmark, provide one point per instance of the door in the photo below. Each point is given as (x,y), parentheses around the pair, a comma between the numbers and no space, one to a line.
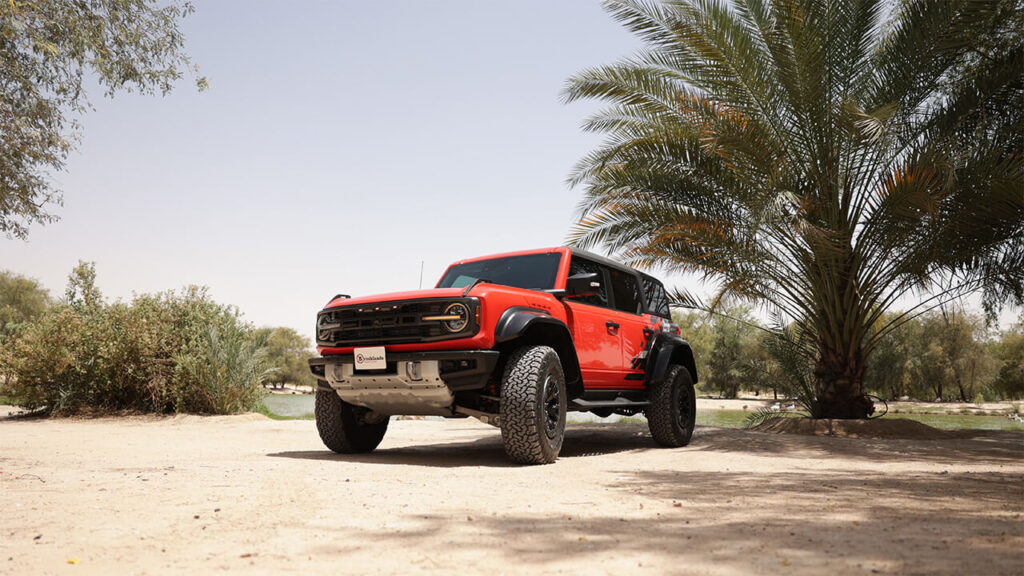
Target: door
(594,332)
(628,313)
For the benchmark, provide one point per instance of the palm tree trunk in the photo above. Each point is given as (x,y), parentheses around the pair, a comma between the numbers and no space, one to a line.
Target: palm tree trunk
(840,390)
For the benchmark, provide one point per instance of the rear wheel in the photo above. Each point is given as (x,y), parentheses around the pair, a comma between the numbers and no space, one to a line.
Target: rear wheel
(347,428)
(533,405)
(673,408)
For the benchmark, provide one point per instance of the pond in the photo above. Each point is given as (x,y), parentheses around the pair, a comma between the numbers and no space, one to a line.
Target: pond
(291,405)
(301,405)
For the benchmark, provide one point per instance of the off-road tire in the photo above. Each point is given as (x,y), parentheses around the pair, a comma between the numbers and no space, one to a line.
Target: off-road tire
(344,427)
(533,404)
(673,408)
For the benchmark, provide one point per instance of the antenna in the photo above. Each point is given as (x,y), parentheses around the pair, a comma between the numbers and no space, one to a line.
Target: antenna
(421,275)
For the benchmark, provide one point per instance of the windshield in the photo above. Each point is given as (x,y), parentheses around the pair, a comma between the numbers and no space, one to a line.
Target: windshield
(532,271)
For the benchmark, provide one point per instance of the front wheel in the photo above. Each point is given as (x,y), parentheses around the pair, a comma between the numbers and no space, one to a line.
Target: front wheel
(533,405)
(347,428)
(673,408)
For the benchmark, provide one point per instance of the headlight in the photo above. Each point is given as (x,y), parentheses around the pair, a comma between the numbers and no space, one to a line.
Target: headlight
(458,317)
(322,332)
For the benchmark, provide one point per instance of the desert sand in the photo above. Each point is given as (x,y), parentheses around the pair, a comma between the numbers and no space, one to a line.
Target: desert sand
(198,495)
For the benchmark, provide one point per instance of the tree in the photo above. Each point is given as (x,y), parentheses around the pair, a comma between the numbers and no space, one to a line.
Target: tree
(696,328)
(824,159)
(21,300)
(1009,383)
(47,49)
(889,368)
(962,338)
(730,358)
(288,353)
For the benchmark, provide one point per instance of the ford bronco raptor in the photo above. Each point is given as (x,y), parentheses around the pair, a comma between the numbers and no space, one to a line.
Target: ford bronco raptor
(514,340)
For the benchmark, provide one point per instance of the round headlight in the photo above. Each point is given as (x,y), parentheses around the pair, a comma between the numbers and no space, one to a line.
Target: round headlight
(322,333)
(456,309)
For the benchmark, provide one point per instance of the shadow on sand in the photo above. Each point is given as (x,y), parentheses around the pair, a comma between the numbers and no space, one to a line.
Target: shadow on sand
(580,441)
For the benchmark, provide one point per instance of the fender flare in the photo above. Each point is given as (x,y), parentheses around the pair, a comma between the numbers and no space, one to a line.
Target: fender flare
(537,326)
(669,349)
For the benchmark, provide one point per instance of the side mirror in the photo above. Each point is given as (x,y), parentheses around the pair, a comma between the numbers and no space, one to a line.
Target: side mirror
(585,284)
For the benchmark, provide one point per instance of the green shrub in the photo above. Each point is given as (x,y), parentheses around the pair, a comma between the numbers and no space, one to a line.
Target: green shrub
(224,375)
(164,352)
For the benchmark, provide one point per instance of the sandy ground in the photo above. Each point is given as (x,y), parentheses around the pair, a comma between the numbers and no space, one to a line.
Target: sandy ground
(227,494)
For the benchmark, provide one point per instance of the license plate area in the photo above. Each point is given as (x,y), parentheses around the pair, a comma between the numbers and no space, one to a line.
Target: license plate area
(370,358)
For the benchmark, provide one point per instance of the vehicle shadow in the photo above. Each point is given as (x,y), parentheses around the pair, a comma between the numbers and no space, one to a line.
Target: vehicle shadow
(586,440)
(595,440)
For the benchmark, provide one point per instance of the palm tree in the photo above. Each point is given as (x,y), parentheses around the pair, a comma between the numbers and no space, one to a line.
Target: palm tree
(823,158)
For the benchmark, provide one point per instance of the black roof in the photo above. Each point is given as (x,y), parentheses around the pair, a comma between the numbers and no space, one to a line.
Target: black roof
(609,262)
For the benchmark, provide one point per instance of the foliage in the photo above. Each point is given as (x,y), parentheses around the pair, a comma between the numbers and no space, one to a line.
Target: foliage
(824,159)
(163,352)
(47,49)
(226,373)
(697,329)
(21,300)
(1009,383)
(288,353)
(735,346)
(946,354)
(941,355)
(734,352)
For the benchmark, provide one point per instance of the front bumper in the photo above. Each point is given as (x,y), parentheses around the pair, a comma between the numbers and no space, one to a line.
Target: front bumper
(414,383)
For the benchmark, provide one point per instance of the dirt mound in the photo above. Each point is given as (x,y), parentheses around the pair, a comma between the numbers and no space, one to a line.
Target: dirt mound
(895,428)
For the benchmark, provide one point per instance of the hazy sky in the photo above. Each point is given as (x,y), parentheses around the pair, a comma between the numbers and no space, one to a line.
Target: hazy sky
(339,145)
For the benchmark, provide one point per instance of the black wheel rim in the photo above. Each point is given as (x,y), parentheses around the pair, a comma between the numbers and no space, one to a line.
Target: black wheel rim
(683,412)
(552,406)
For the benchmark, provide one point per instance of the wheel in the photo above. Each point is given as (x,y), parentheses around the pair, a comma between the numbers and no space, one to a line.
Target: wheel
(673,408)
(347,428)
(533,403)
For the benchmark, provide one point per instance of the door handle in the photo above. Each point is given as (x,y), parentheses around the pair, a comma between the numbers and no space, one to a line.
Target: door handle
(613,327)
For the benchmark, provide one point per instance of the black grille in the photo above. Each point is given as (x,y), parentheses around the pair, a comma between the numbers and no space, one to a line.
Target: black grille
(385,323)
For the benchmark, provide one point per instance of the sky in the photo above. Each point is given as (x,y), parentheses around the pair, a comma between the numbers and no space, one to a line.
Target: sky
(340,146)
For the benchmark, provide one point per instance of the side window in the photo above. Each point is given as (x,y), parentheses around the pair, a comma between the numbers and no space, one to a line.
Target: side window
(657,300)
(581,266)
(627,295)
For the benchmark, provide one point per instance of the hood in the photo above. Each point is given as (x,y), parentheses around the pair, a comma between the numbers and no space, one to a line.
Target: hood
(391,296)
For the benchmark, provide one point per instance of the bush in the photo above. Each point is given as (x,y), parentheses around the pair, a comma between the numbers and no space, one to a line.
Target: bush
(226,374)
(166,352)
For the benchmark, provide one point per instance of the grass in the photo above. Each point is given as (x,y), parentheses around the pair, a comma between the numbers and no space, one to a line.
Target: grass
(737,419)
(723,418)
(963,421)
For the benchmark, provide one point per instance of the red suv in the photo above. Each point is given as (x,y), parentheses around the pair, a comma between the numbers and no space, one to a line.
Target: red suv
(515,340)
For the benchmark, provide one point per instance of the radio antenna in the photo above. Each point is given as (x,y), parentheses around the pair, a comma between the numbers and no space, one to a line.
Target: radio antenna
(421,275)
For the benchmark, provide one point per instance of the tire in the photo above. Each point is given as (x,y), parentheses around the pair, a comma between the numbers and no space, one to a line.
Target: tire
(533,404)
(345,428)
(673,408)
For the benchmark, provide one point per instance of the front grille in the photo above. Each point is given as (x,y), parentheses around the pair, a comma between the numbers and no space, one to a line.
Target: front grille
(386,323)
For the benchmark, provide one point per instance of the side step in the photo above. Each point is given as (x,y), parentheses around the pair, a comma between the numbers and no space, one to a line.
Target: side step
(614,403)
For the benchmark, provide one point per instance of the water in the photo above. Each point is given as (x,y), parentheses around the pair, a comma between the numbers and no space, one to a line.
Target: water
(294,405)
(299,405)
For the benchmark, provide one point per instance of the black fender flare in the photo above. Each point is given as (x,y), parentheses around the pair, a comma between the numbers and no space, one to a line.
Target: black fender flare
(525,326)
(667,349)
